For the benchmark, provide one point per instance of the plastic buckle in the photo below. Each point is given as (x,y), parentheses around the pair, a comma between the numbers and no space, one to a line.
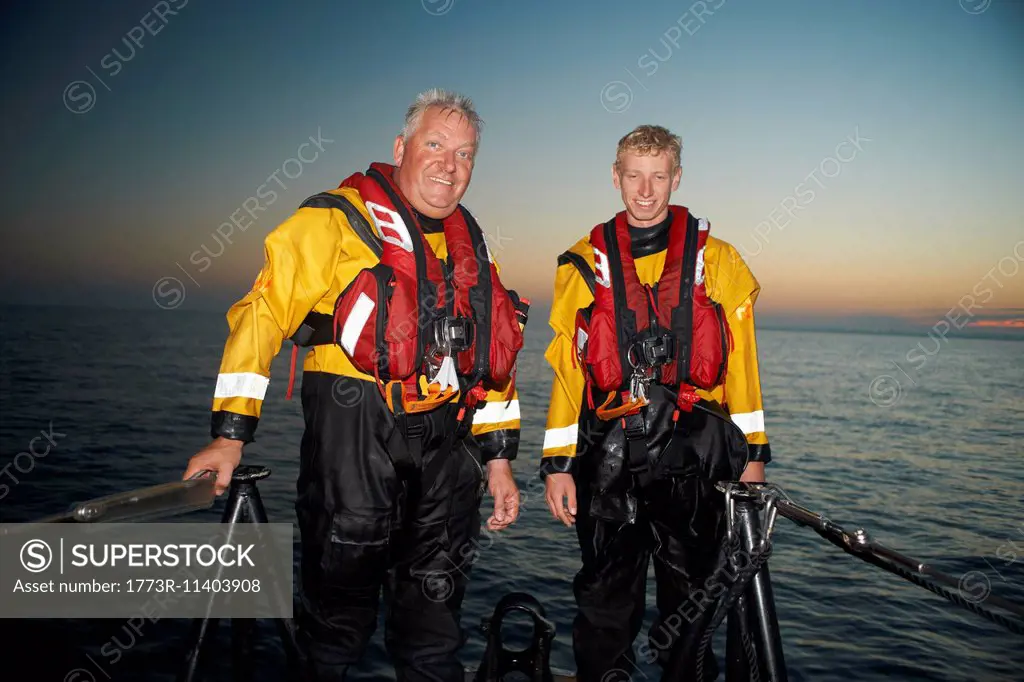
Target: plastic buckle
(414,427)
(454,333)
(668,348)
(633,426)
(303,335)
(652,351)
(657,350)
(462,428)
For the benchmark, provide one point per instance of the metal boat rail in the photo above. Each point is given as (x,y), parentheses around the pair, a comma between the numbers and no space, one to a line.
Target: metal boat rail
(748,602)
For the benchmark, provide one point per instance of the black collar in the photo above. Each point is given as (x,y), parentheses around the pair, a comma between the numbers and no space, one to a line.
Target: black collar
(428,224)
(645,241)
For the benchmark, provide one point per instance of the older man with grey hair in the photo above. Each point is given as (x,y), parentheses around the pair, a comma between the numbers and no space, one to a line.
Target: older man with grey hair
(407,395)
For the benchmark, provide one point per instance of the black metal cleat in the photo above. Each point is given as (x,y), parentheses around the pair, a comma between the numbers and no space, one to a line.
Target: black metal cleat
(534,661)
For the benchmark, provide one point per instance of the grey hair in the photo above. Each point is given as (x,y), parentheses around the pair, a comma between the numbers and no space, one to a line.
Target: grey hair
(436,97)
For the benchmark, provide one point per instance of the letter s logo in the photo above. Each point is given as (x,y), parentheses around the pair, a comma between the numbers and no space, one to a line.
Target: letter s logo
(391,226)
(601,267)
(36,556)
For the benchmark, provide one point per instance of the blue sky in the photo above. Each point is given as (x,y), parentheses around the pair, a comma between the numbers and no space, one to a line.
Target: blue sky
(183,126)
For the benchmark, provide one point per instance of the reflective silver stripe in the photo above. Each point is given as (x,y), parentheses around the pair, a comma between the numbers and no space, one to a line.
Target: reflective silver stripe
(241,385)
(355,322)
(750,422)
(496,412)
(559,438)
(391,226)
(581,339)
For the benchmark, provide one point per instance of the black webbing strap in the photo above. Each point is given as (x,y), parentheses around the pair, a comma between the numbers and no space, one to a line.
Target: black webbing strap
(455,432)
(636,442)
(682,314)
(359,224)
(317,329)
(580,263)
(405,447)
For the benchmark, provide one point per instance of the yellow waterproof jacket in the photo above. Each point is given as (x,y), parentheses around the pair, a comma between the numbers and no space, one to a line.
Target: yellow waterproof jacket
(310,259)
(728,281)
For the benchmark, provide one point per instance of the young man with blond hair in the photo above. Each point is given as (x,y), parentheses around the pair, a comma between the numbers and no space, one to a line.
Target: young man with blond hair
(656,398)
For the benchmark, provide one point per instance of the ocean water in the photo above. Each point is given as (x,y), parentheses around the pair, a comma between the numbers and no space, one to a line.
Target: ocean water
(921,448)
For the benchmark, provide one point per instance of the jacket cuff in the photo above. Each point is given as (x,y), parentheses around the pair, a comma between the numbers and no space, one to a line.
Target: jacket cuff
(759,453)
(233,425)
(559,464)
(500,444)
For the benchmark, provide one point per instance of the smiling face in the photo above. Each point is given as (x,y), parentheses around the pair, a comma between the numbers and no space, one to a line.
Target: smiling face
(435,163)
(646,183)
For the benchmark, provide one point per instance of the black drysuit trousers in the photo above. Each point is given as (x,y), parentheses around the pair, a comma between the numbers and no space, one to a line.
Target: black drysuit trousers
(677,519)
(364,530)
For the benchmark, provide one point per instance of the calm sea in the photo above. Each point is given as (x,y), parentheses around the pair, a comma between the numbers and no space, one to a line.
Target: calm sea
(928,458)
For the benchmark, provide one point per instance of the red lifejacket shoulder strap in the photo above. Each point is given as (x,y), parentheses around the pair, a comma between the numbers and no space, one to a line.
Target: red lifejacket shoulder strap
(618,287)
(471,266)
(670,282)
(405,248)
(687,236)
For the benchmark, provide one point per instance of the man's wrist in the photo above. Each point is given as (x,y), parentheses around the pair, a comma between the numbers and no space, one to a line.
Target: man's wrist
(499,464)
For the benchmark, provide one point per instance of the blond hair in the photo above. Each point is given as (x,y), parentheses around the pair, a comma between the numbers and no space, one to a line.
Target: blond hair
(650,139)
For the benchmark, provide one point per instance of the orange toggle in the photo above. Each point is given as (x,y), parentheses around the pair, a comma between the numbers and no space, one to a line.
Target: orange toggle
(413,404)
(604,413)
(433,400)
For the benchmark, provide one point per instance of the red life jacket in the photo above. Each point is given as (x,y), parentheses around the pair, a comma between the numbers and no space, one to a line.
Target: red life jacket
(400,316)
(676,336)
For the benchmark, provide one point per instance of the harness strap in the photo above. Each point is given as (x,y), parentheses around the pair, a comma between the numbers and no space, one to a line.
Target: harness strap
(580,263)
(317,329)
(682,316)
(406,443)
(441,458)
(359,224)
(636,441)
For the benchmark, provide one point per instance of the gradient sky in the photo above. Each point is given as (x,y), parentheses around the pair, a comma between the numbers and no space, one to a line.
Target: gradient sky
(98,206)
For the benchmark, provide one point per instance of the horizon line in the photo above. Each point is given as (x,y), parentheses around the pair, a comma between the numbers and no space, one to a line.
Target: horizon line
(804,323)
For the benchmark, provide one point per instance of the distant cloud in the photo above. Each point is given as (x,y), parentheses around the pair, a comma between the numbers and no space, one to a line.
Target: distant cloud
(1001,318)
(1002,324)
